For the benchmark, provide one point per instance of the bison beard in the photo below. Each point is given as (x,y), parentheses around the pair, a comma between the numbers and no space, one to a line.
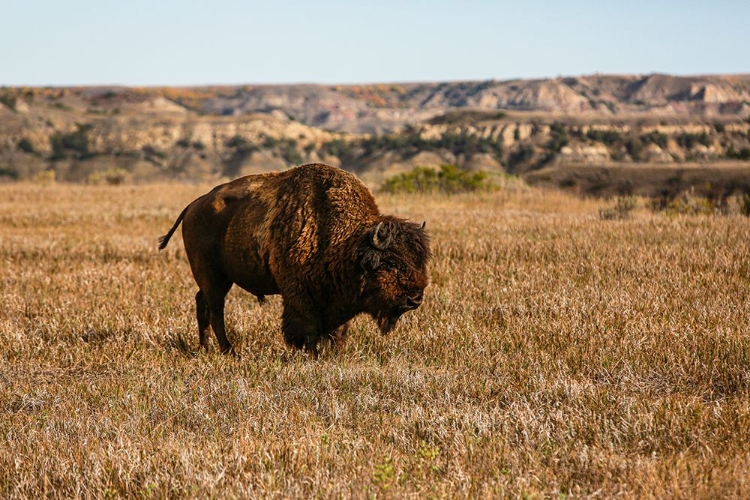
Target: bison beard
(313,234)
(387,323)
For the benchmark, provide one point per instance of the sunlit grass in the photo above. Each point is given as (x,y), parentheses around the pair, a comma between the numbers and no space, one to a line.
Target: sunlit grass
(555,354)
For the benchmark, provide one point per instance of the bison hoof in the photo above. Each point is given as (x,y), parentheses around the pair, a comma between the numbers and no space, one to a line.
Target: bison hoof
(312,349)
(229,351)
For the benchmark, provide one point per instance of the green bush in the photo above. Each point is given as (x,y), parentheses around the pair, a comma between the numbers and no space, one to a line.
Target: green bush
(78,141)
(45,177)
(288,150)
(26,146)
(7,172)
(113,176)
(152,152)
(655,137)
(75,143)
(521,155)
(634,148)
(624,205)
(58,150)
(449,179)
(270,142)
(745,204)
(339,148)
(558,137)
(410,142)
(241,144)
(742,154)
(688,203)
(608,137)
(687,141)
(9,99)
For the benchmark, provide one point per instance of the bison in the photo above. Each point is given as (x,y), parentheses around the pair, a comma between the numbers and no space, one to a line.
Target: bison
(313,234)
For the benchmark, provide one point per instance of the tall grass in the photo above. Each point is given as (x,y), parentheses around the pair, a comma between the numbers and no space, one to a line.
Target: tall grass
(556,354)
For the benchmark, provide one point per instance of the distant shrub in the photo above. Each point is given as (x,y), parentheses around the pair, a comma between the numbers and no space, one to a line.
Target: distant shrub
(449,179)
(688,141)
(464,143)
(151,152)
(687,203)
(241,144)
(655,137)
(184,142)
(9,173)
(742,154)
(410,142)
(634,147)
(26,146)
(745,204)
(270,142)
(45,177)
(624,205)
(9,99)
(239,149)
(339,148)
(288,150)
(608,137)
(198,145)
(58,150)
(113,176)
(463,116)
(521,155)
(75,143)
(558,137)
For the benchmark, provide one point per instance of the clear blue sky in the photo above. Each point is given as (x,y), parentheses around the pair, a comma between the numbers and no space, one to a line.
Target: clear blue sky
(170,42)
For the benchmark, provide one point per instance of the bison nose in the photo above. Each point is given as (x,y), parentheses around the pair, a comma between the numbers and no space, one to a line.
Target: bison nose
(413,301)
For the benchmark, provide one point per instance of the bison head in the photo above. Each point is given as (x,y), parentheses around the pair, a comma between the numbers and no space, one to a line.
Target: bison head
(393,255)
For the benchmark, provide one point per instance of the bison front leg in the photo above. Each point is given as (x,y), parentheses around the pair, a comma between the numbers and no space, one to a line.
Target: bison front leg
(300,327)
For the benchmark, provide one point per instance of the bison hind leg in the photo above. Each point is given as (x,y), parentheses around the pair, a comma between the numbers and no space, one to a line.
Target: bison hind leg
(203,315)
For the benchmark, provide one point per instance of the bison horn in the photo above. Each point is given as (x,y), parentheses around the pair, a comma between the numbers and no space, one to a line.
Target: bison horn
(381,243)
(424,223)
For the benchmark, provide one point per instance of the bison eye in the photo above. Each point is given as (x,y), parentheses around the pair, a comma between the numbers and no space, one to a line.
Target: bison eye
(387,266)
(393,266)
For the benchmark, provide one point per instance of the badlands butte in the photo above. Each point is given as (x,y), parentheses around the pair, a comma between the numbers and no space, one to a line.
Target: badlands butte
(597,135)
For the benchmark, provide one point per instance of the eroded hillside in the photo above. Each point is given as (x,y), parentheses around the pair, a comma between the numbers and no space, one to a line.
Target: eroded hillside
(521,127)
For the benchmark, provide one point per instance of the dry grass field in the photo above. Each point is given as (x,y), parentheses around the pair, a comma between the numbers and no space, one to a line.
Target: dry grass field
(556,355)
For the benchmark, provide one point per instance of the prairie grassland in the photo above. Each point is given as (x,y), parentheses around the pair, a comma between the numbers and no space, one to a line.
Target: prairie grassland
(556,354)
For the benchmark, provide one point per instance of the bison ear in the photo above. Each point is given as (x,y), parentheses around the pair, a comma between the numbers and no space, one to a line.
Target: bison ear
(370,260)
(378,239)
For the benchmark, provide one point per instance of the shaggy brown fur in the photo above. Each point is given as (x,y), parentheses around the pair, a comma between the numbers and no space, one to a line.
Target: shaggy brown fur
(313,234)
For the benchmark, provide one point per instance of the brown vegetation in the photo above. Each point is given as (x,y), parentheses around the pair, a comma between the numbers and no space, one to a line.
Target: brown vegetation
(555,353)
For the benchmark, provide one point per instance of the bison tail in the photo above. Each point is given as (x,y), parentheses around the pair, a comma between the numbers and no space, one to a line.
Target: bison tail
(164,240)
